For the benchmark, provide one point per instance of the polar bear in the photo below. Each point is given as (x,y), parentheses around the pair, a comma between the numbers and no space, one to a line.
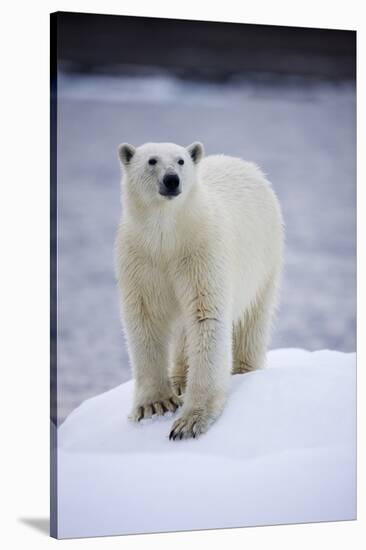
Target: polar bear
(198,260)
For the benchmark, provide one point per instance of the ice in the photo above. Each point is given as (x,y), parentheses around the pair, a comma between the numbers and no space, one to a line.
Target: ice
(283,451)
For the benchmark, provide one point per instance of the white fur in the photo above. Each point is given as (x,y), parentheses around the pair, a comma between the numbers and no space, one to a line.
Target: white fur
(198,277)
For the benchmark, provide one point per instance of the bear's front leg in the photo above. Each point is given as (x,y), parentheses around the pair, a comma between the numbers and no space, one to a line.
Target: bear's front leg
(145,321)
(153,392)
(207,308)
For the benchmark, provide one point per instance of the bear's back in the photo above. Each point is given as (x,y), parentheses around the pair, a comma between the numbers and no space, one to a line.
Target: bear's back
(230,173)
(243,201)
(235,184)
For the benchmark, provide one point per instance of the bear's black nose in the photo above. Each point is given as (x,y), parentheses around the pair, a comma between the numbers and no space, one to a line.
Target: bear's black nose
(171,182)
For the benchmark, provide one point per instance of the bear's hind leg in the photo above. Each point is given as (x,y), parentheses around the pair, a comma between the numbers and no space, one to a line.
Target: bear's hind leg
(251,334)
(179,363)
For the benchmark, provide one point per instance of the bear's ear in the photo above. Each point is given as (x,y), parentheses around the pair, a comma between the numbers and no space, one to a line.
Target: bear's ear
(126,152)
(196,151)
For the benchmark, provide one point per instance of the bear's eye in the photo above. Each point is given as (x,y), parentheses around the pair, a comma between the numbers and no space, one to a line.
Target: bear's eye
(152,161)
(181,162)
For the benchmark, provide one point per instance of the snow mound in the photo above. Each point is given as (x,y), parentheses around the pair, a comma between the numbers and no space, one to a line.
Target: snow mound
(283,451)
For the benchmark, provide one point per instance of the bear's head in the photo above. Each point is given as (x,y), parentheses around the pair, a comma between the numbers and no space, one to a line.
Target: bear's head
(159,172)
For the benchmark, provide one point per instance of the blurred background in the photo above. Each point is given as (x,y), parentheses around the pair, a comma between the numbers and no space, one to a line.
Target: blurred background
(281,97)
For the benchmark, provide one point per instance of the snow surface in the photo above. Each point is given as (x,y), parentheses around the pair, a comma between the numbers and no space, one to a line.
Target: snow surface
(283,451)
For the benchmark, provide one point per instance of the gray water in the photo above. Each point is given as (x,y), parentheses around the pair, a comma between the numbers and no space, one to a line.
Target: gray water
(302,134)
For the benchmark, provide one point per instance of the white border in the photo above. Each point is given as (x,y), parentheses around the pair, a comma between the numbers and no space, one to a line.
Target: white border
(24,235)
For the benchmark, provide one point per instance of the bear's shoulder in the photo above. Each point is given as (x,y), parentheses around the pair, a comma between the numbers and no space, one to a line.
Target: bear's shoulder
(215,167)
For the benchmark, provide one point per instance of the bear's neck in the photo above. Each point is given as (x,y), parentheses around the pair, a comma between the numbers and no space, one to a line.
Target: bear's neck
(166,228)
